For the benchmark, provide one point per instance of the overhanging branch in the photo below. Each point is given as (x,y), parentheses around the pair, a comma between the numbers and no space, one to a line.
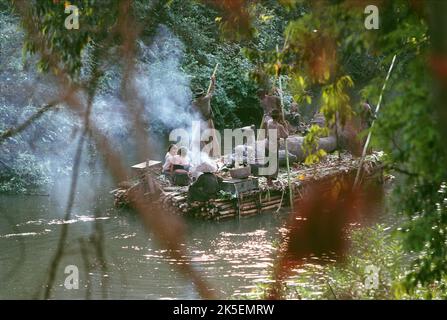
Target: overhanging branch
(16,130)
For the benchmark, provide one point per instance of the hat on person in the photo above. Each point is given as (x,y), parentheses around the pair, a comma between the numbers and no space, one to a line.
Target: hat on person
(198,93)
(276,114)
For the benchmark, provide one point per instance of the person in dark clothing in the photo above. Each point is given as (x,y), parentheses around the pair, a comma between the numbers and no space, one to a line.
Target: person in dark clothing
(206,187)
(367,115)
(293,117)
(180,168)
(202,101)
(276,123)
(202,104)
(269,102)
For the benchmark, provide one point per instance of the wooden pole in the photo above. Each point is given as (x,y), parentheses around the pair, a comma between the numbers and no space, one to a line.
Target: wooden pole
(285,140)
(368,139)
(211,122)
(213,75)
(287,149)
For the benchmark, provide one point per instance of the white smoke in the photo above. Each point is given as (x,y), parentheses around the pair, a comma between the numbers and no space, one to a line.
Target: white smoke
(161,83)
(109,115)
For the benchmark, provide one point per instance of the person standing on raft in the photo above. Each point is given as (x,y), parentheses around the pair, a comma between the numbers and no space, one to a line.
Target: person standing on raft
(269,102)
(276,123)
(202,104)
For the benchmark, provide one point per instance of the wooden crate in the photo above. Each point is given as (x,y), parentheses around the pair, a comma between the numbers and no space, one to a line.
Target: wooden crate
(237,186)
(140,169)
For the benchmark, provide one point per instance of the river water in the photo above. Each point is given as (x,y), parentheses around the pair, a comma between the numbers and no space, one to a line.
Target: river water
(234,256)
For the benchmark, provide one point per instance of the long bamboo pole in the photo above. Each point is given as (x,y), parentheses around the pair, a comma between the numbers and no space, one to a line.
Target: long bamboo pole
(213,75)
(286,148)
(215,141)
(285,140)
(368,139)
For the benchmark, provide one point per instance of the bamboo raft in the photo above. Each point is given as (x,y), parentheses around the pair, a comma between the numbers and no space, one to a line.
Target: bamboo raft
(254,202)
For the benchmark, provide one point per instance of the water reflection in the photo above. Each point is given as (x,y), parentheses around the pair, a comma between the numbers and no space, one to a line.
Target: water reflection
(234,256)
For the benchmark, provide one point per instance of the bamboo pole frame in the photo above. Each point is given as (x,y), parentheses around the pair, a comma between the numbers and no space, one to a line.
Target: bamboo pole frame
(368,139)
(285,140)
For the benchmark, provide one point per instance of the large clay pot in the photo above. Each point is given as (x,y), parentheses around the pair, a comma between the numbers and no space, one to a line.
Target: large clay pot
(294,145)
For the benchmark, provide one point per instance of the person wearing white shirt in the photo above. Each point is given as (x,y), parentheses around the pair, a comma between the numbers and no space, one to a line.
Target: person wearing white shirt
(169,157)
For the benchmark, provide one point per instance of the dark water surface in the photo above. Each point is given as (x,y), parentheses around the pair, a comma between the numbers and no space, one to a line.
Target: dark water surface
(234,256)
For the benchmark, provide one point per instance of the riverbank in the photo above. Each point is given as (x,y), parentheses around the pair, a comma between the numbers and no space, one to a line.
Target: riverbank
(374,268)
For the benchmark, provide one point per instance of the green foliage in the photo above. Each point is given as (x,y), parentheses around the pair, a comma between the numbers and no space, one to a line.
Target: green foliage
(26,173)
(373,248)
(235,103)
(325,50)
(224,195)
(46,32)
(310,145)
(377,247)
(310,57)
(336,102)
(299,89)
(328,50)
(9,42)
(407,130)
(23,161)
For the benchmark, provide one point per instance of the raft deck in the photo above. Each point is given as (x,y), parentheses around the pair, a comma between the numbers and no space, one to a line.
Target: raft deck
(264,198)
(268,198)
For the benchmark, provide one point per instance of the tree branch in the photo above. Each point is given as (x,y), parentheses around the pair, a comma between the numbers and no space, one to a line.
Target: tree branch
(13,131)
